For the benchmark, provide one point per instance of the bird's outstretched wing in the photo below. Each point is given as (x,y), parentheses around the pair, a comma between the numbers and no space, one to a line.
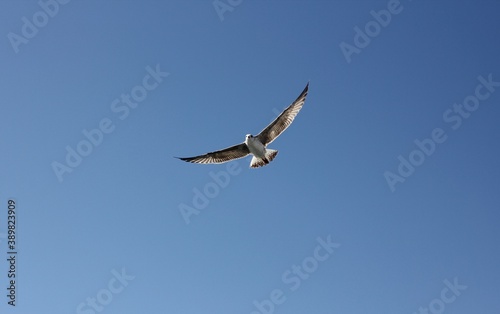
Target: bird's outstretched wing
(283,121)
(220,156)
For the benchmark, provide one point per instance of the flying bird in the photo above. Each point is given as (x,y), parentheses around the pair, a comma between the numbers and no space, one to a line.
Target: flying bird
(255,145)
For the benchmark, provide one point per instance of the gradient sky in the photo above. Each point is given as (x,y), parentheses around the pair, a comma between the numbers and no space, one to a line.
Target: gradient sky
(340,222)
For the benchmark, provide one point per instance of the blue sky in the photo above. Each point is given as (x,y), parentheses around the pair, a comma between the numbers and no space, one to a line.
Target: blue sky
(353,216)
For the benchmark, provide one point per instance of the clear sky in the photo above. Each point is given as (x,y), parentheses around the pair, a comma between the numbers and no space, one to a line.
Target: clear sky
(384,197)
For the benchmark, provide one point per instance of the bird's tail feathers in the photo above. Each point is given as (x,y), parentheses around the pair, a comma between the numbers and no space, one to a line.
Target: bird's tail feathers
(259,162)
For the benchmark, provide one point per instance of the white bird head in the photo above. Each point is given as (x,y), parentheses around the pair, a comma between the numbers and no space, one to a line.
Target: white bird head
(249,138)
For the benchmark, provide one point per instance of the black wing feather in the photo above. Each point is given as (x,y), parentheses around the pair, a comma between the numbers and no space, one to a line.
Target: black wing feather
(220,156)
(283,121)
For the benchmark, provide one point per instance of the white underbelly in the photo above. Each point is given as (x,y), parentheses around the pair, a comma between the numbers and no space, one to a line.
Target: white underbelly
(256,148)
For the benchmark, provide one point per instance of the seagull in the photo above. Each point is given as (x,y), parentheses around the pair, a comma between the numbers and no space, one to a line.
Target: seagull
(255,145)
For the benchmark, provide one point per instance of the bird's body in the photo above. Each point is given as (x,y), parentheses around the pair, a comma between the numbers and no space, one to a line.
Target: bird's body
(261,155)
(256,145)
